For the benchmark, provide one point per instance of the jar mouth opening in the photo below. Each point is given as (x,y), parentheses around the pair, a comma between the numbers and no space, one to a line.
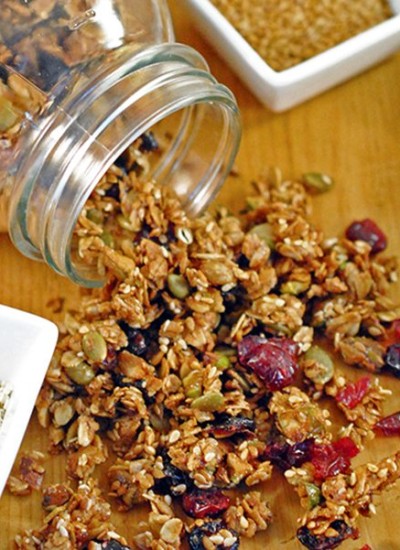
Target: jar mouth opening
(182,103)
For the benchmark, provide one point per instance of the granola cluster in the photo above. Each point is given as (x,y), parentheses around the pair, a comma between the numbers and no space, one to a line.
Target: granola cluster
(199,366)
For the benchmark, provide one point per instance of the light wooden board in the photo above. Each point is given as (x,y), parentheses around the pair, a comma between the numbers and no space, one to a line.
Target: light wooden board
(351,132)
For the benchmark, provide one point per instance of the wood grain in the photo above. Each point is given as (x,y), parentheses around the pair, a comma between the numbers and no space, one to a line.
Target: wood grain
(351,132)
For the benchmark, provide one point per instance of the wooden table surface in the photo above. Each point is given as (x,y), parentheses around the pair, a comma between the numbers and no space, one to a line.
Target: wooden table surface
(351,132)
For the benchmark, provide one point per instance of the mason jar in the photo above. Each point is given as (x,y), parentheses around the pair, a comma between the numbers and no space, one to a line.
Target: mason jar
(81,80)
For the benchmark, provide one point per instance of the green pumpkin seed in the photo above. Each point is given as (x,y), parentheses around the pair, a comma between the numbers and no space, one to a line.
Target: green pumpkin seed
(223,362)
(108,239)
(322,367)
(95,215)
(254,202)
(264,233)
(94,346)
(313,493)
(318,182)
(294,287)
(81,374)
(192,384)
(210,401)
(178,286)
(8,115)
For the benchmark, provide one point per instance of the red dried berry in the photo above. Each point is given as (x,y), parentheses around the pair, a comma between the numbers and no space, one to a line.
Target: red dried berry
(367,230)
(205,503)
(322,542)
(352,394)
(390,425)
(272,360)
(366,547)
(331,459)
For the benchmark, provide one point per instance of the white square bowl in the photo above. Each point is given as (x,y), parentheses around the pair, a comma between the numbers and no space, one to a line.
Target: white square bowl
(27,343)
(282,90)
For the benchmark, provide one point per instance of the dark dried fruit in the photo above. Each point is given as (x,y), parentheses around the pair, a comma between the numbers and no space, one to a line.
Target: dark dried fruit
(113,192)
(330,459)
(175,482)
(272,360)
(352,394)
(196,535)
(205,503)
(367,230)
(148,143)
(229,426)
(390,425)
(286,456)
(392,360)
(320,542)
(137,340)
(106,545)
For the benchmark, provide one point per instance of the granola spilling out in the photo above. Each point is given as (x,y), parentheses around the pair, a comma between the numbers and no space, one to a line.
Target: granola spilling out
(205,362)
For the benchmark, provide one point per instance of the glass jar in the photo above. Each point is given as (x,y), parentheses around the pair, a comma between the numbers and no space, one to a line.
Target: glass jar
(80,80)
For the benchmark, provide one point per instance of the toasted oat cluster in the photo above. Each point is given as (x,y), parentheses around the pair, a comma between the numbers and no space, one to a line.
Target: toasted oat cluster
(195,370)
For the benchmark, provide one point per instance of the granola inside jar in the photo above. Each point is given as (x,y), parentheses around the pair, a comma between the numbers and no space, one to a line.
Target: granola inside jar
(80,81)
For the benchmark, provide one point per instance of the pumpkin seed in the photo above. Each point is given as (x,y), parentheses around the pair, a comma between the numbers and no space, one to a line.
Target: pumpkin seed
(210,401)
(294,287)
(313,493)
(95,215)
(320,367)
(178,286)
(223,362)
(94,346)
(107,239)
(318,182)
(254,202)
(8,115)
(264,233)
(81,374)
(192,384)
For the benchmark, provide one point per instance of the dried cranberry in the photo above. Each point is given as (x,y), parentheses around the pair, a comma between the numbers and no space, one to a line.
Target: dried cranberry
(367,230)
(352,394)
(272,360)
(197,534)
(320,542)
(201,503)
(392,360)
(229,426)
(285,456)
(390,425)
(366,547)
(330,459)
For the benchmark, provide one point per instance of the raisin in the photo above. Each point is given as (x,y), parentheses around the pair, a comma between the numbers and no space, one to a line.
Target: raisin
(148,143)
(390,425)
(392,360)
(106,545)
(174,482)
(285,456)
(205,503)
(352,394)
(113,192)
(320,542)
(197,534)
(330,459)
(272,360)
(229,426)
(137,341)
(367,231)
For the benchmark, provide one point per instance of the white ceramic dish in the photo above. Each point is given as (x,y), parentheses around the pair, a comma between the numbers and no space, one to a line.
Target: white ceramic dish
(285,89)
(26,346)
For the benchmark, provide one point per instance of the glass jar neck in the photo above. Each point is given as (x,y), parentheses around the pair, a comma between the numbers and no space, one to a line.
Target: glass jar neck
(166,87)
